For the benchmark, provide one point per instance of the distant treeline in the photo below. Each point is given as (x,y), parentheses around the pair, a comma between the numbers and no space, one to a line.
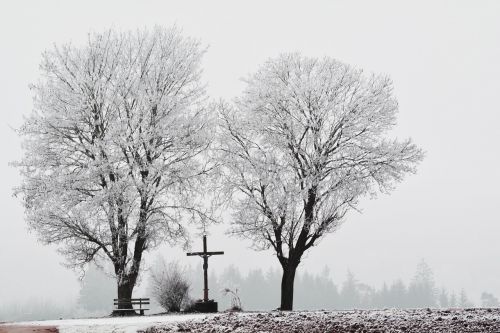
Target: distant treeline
(260,290)
(35,309)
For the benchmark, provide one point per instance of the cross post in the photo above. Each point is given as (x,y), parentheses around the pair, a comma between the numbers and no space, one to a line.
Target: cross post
(205,255)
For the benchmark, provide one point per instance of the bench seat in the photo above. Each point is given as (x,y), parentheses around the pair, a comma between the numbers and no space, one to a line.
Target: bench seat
(133,301)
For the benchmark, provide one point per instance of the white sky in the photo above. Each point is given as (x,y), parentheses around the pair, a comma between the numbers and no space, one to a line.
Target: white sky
(444,58)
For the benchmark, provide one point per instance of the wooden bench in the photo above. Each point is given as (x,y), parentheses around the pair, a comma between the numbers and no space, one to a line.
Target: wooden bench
(132,302)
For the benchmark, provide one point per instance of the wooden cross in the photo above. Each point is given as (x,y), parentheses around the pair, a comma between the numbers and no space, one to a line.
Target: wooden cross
(205,254)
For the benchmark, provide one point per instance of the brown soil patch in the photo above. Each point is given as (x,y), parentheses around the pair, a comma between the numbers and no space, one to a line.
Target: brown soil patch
(27,329)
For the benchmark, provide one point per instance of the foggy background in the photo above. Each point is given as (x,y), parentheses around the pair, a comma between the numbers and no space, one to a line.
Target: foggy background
(444,59)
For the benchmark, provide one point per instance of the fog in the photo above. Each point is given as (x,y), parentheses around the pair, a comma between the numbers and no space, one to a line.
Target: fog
(443,59)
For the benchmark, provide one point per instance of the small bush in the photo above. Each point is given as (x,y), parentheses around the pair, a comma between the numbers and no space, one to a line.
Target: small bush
(189,306)
(170,286)
(235,299)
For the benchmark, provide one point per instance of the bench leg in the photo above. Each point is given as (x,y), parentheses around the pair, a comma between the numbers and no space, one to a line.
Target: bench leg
(141,312)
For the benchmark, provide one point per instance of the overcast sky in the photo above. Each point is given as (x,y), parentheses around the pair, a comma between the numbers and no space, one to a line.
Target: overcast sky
(444,59)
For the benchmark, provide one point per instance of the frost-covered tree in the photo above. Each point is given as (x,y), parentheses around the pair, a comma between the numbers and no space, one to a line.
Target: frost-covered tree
(302,145)
(114,149)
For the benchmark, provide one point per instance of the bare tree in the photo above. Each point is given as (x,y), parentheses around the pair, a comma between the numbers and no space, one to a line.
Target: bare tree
(114,149)
(300,148)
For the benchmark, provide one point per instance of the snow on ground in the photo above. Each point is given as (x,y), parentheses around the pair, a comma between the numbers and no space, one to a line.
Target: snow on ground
(113,324)
(356,321)
(359,321)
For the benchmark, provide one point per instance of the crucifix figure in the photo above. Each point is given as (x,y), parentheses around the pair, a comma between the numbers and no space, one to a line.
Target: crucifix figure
(205,254)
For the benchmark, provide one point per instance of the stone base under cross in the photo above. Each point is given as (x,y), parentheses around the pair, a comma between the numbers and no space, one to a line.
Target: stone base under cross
(205,306)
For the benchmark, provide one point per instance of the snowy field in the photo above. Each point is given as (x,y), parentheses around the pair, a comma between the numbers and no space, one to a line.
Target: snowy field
(111,324)
(368,321)
(357,321)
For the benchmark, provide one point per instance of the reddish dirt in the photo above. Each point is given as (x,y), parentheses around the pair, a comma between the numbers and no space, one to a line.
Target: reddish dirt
(27,329)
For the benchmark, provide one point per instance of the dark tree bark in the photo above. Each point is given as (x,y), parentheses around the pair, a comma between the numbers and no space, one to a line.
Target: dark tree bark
(125,289)
(287,282)
(296,251)
(125,292)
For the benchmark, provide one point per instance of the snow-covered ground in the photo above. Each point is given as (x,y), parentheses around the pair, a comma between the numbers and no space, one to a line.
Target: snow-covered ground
(366,321)
(357,321)
(112,324)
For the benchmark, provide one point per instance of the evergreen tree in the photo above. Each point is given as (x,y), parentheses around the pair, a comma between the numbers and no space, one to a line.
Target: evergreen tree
(349,294)
(444,301)
(273,279)
(231,277)
(381,298)
(464,301)
(488,300)
(398,295)
(422,291)
(453,300)
(255,281)
(365,296)
(326,291)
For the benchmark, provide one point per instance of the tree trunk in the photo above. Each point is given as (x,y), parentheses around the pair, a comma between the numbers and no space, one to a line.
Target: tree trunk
(287,282)
(125,293)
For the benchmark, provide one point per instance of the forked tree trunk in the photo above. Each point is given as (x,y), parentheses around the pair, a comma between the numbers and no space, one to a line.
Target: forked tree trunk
(126,281)
(291,263)
(125,293)
(287,282)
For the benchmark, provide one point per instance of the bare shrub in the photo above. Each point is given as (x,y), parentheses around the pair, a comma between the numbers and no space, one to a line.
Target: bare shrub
(235,298)
(169,285)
